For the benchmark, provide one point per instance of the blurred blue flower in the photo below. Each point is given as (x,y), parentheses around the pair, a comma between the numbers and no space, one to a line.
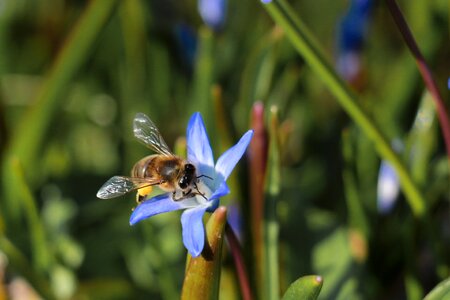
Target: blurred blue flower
(351,34)
(235,220)
(388,188)
(187,42)
(212,184)
(353,26)
(213,12)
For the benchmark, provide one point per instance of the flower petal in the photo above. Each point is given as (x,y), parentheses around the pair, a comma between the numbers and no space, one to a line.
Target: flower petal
(228,160)
(193,230)
(388,188)
(157,205)
(199,151)
(222,190)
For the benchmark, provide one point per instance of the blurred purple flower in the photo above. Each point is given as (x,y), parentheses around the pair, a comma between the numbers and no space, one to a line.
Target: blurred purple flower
(199,153)
(213,12)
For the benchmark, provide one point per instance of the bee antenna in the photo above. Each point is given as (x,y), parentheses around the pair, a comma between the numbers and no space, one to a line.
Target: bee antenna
(210,178)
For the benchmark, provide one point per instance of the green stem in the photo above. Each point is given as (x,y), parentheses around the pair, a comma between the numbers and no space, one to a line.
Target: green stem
(271,227)
(306,45)
(257,157)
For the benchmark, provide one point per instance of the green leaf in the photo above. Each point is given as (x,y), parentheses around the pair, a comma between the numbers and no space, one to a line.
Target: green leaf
(422,139)
(41,252)
(304,288)
(203,272)
(333,259)
(29,137)
(36,121)
(441,291)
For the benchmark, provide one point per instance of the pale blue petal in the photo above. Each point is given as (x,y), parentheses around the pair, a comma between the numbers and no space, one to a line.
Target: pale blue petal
(199,151)
(193,230)
(221,191)
(213,12)
(213,205)
(156,205)
(228,160)
(388,188)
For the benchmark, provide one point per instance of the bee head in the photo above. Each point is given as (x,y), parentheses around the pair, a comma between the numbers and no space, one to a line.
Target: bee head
(188,176)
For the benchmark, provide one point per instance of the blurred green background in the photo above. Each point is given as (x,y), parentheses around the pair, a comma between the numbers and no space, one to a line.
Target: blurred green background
(74,73)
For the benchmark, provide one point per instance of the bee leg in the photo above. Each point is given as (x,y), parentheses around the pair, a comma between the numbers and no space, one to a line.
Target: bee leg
(184,195)
(198,191)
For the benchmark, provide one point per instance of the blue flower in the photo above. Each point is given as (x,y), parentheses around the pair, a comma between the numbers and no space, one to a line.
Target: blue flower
(213,12)
(351,35)
(353,26)
(212,184)
(388,188)
(187,42)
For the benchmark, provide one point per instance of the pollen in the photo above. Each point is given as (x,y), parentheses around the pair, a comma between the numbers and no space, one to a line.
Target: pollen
(145,191)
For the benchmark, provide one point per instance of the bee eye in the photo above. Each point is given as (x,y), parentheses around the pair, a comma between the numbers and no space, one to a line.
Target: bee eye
(183,182)
(189,167)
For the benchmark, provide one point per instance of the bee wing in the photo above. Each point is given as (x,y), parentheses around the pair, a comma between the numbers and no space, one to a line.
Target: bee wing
(119,185)
(147,132)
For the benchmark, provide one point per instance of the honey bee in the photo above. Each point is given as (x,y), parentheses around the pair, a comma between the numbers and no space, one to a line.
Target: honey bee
(164,169)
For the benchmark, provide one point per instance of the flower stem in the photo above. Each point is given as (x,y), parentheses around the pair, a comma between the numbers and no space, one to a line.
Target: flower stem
(241,271)
(306,45)
(424,71)
(271,277)
(257,157)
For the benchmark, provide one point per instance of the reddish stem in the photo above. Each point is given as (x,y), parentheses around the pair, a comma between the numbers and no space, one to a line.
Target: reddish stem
(424,71)
(241,271)
(257,158)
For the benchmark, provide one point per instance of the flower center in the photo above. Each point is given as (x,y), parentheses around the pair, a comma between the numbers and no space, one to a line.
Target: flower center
(204,189)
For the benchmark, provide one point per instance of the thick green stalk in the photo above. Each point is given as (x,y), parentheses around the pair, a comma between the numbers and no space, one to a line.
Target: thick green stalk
(306,45)
(203,272)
